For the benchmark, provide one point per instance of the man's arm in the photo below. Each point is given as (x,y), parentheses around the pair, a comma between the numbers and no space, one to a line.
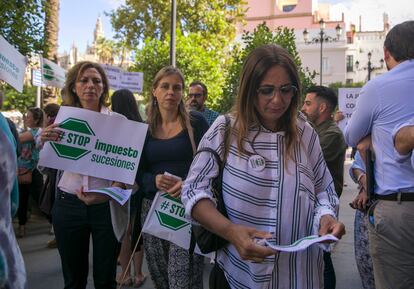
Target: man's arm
(404,140)
(362,118)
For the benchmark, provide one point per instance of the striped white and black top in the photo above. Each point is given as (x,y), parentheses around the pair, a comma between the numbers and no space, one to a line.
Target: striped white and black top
(287,198)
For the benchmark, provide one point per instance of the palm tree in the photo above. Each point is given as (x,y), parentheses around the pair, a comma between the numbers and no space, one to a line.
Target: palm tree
(51,30)
(106,50)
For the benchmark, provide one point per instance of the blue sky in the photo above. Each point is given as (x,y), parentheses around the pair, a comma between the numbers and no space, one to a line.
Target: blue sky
(78,17)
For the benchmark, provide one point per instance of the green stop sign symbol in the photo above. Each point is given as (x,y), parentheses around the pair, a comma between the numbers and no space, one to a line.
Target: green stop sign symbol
(75,141)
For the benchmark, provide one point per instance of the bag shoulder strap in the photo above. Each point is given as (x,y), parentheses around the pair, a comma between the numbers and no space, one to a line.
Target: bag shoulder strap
(191,136)
(226,143)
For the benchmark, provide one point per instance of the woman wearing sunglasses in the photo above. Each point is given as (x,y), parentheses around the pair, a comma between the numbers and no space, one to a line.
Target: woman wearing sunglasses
(276,184)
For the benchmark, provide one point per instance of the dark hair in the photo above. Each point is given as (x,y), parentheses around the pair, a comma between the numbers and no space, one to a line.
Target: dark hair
(73,76)
(154,116)
(37,114)
(123,102)
(255,67)
(325,94)
(205,91)
(400,41)
(51,109)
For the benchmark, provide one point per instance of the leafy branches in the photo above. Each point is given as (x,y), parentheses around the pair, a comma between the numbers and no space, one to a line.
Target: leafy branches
(138,20)
(21,24)
(261,35)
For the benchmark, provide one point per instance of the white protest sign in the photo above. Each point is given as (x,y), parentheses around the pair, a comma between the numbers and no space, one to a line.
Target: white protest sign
(96,144)
(12,65)
(113,74)
(347,98)
(132,81)
(166,220)
(52,74)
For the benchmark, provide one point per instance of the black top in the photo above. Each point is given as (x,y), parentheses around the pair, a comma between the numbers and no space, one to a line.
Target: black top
(173,155)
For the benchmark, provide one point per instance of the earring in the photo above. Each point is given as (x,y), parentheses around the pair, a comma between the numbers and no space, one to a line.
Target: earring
(154,102)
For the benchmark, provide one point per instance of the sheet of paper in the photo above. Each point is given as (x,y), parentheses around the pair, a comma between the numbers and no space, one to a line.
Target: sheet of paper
(300,244)
(118,194)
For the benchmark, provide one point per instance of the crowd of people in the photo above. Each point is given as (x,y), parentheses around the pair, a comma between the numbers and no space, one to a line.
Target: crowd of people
(281,179)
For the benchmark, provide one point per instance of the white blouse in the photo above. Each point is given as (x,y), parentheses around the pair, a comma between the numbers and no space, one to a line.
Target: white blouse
(287,198)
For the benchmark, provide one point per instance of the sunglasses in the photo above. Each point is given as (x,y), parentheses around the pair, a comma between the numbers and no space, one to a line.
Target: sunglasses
(269,91)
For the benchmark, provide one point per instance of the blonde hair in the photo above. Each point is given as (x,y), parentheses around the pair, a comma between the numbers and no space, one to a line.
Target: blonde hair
(255,67)
(73,76)
(154,115)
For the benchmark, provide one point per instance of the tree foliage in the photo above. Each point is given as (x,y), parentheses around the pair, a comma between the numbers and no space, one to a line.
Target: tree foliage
(261,35)
(106,49)
(336,85)
(20,101)
(21,24)
(138,20)
(194,59)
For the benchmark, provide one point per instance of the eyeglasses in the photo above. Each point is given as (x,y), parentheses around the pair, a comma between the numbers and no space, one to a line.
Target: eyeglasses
(269,91)
(195,95)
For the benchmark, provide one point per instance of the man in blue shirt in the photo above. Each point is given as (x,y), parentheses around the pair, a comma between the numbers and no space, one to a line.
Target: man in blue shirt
(197,96)
(383,104)
(404,141)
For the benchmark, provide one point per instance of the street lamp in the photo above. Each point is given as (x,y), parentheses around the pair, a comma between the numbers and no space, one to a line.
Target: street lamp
(369,67)
(173,36)
(323,37)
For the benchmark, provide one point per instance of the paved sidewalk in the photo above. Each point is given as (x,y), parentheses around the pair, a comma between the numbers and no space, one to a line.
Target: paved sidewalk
(44,269)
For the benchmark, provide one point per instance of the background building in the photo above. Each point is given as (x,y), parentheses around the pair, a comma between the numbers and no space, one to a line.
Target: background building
(101,50)
(339,57)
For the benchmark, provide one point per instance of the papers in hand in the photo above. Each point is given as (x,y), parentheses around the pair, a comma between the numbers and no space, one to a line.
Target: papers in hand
(300,244)
(116,193)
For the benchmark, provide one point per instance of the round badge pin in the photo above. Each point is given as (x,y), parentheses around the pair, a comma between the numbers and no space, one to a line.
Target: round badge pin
(257,163)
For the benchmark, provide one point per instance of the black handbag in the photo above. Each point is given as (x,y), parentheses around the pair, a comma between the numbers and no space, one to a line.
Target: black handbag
(207,241)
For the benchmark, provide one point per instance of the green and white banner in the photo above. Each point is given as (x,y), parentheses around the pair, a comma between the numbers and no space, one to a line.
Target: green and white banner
(12,65)
(166,220)
(96,144)
(52,74)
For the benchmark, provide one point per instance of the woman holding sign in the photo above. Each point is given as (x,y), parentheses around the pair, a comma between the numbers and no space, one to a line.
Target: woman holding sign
(169,147)
(77,214)
(276,185)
